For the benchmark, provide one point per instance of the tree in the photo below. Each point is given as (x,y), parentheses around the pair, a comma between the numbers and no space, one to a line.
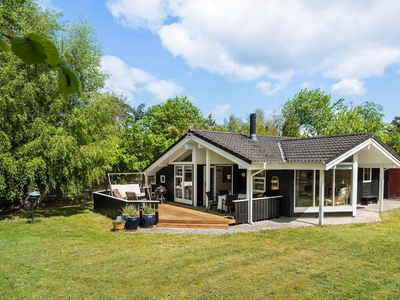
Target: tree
(307,114)
(366,117)
(145,137)
(36,49)
(50,140)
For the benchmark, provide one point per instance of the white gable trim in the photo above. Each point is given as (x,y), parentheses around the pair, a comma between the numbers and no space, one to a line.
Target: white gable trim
(242,164)
(368,143)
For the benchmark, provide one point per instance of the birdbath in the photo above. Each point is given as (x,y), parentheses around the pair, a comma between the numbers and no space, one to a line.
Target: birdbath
(33,199)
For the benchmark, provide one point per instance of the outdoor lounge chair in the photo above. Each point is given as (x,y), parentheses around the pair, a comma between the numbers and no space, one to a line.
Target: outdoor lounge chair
(117,194)
(131,196)
(211,201)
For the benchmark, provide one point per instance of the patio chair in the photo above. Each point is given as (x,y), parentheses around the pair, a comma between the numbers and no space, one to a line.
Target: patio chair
(211,201)
(117,194)
(229,202)
(131,196)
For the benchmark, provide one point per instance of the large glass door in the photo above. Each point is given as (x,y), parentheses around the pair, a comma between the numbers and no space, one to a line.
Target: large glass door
(184,184)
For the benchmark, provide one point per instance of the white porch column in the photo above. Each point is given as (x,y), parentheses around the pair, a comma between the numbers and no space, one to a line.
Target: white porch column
(249,189)
(354,184)
(194,177)
(207,173)
(381,187)
(321,196)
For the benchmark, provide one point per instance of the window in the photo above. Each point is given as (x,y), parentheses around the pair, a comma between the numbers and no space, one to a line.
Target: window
(337,187)
(259,182)
(367,174)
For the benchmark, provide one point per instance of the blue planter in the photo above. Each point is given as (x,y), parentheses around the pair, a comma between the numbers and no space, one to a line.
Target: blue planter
(148,220)
(132,223)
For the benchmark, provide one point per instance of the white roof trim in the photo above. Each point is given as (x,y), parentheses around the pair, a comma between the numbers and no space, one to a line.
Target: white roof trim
(358,148)
(234,159)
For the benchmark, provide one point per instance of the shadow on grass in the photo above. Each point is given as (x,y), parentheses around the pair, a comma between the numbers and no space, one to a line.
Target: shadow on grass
(48,210)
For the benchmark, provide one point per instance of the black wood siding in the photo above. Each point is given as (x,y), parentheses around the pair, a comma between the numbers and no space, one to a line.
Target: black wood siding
(367,188)
(239,182)
(168,171)
(285,190)
(200,185)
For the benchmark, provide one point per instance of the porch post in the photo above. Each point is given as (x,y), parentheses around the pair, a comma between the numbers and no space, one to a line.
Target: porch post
(249,190)
(354,184)
(381,187)
(321,196)
(194,177)
(207,173)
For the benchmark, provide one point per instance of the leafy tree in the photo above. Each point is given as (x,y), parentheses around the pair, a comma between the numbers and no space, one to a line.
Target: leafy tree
(147,134)
(393,134)
(307,114)
(50,140)
(366,117)
(36,49)
(235,124)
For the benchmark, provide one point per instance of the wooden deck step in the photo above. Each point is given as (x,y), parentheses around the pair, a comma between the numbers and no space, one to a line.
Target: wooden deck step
(176,216)
(197,226)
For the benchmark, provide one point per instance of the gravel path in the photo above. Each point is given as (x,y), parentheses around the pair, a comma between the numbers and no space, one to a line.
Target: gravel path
(364,214)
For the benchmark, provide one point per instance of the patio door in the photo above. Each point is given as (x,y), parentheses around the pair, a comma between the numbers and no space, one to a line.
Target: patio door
(212,183)
(183,190)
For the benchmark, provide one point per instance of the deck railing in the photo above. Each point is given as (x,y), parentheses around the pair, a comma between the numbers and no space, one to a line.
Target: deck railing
(263,208)
(111,206)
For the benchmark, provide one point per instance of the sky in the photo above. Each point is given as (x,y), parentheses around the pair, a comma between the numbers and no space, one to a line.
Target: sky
(233,57)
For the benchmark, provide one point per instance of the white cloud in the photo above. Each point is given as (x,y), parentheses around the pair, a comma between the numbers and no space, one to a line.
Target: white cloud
(352,87)
(220,111)
(264,40)
(136,14)
(163,89)
(128,80)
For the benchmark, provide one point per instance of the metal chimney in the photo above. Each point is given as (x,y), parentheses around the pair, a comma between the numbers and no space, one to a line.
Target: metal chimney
(253,136)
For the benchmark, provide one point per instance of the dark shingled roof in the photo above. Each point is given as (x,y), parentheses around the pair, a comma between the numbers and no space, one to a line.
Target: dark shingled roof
(272,149)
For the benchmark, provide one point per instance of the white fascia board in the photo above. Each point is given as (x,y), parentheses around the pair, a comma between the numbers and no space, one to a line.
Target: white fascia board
(386,153)
(361,146)
(232,158)
(348,154)
(295,166)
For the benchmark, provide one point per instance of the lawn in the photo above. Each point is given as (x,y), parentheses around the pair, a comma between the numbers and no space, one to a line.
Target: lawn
(71,253)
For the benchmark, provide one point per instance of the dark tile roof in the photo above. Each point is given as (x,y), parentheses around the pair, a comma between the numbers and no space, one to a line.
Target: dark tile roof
(272,149)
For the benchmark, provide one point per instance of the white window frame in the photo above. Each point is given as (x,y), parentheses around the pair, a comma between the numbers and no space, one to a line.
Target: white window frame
(370,175)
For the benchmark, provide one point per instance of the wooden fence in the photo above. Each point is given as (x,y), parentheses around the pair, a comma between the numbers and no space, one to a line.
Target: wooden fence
(263,208)
(111,206)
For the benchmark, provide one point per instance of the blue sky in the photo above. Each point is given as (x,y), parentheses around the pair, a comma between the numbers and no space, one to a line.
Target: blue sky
(232,57)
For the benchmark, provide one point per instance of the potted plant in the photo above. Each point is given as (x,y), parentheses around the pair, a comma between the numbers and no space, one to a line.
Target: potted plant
(148,216)
(119,225)
(132,217)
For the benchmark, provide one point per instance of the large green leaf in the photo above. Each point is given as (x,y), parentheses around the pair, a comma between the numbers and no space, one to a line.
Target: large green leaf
(4,46)
(53,58)
(68,81)
(29,51)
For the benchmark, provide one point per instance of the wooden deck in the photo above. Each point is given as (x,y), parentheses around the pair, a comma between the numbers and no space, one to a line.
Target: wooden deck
(179,216)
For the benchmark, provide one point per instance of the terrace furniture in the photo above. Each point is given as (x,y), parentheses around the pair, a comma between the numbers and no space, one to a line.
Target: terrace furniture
(123,188)
(229,204)
(211,201)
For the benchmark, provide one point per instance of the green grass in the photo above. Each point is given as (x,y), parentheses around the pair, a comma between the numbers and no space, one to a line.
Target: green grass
(71,253)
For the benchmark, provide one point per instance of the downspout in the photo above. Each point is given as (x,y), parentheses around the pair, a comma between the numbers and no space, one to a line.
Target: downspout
(381,187)
(251,193)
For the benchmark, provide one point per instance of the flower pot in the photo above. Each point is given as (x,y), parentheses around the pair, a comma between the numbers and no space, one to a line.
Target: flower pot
(148,220)
(132,223)
(119,226)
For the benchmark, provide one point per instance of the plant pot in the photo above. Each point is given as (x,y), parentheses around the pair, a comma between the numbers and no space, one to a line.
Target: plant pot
(148,220)
(119,226)
(132,223)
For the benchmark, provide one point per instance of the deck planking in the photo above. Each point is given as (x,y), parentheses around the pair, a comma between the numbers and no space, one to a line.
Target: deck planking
(176,216)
